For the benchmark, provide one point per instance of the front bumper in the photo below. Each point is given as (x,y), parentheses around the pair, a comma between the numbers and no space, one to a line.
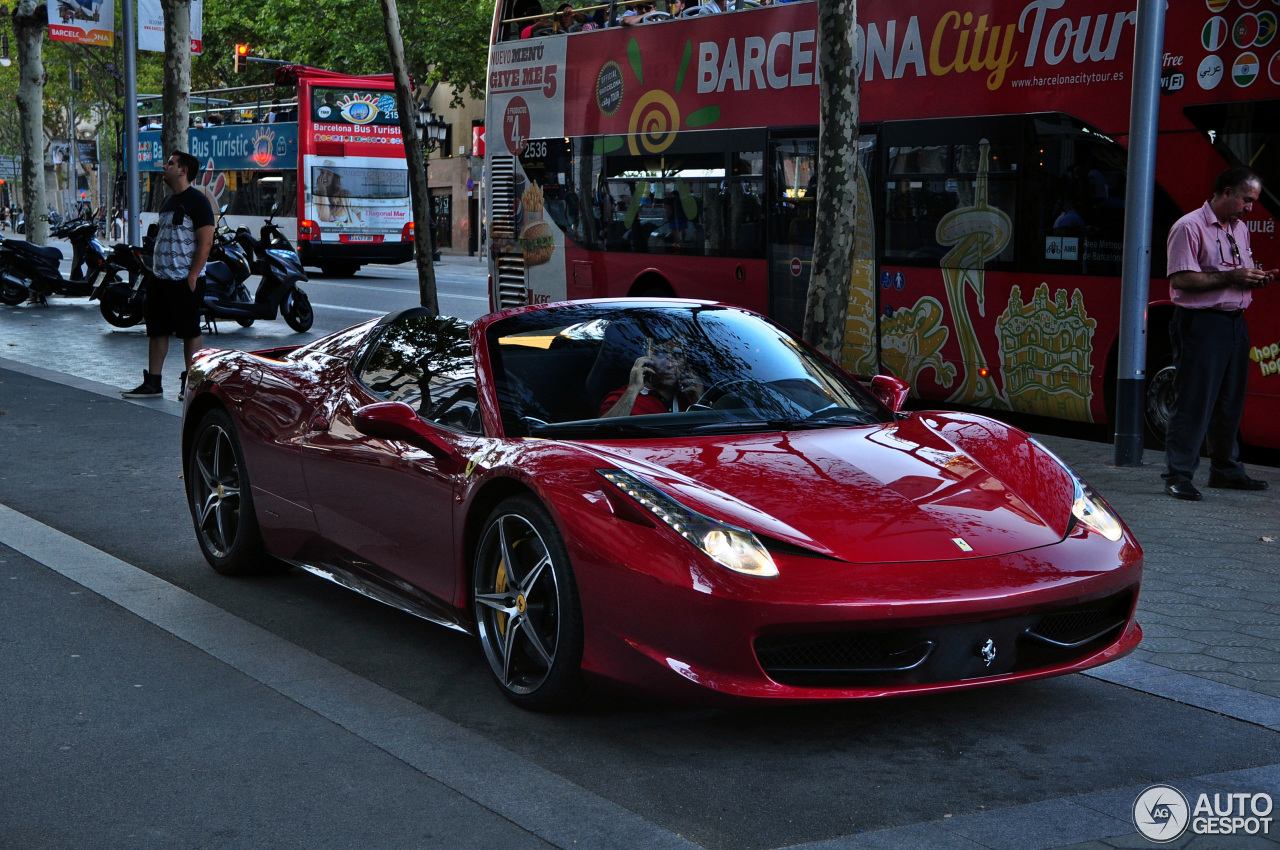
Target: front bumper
(668,620)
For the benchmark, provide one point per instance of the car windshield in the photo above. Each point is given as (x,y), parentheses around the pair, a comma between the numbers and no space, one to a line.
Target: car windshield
(605,371)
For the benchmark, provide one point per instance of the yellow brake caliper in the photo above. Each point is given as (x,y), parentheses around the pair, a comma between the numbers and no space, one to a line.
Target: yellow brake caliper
(500,586)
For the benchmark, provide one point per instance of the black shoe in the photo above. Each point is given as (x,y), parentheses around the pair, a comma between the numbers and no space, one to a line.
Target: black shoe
(1244,482)
(182,386)
(1184,490)
(149,388)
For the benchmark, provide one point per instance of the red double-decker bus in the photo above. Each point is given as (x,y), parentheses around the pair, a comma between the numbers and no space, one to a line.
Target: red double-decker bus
(332,166)
(678,156)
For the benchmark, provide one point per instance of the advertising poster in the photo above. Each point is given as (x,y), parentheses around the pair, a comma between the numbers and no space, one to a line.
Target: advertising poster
(151,26)
(83,21)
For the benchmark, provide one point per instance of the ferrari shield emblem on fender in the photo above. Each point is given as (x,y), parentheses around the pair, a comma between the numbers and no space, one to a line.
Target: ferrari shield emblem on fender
(988,651)
(960,542)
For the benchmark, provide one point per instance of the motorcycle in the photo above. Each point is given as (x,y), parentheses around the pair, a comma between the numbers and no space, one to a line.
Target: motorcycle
(226,271)
(30,272)
(273,257)
(122,290)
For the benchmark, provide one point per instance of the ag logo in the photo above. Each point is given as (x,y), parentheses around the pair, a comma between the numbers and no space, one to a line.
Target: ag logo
(1161,813)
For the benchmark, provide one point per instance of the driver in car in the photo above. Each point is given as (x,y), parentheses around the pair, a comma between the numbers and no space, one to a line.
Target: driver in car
(660,382)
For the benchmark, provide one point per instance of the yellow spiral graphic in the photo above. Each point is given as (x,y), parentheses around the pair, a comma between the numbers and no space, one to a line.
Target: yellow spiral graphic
(654,121)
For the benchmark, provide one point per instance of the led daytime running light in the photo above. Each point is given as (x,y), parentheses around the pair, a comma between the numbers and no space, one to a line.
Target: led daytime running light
(733,548)
(1087,507)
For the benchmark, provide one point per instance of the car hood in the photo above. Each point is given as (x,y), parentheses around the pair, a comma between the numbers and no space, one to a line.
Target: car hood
(932,487)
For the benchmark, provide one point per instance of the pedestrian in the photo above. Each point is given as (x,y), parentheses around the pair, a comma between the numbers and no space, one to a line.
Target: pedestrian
(1211,277)
(183,239)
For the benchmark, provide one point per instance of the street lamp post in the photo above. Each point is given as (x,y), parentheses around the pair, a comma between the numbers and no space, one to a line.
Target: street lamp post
(432,130)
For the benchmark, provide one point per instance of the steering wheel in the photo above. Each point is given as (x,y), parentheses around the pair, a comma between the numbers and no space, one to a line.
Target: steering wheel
(751,391)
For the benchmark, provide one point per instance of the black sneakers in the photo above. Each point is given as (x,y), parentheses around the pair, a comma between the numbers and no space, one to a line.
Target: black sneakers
(149,388)
(182,386)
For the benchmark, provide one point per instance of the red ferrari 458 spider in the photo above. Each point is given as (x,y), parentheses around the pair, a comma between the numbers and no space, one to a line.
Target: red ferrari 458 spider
(672,495)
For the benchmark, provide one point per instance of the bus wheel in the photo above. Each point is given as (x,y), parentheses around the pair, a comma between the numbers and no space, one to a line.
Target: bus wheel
(1159,401)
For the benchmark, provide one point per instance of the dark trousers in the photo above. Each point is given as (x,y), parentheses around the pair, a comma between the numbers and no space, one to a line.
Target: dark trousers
(1211,351)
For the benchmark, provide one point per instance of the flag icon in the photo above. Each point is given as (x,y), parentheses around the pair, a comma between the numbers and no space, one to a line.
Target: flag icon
(1267,25)
(1246,68)
(1214,34)
(1217,5)
(1245,31)
(1273,69)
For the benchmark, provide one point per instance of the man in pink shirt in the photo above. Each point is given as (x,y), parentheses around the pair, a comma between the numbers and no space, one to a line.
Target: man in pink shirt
(1211,277)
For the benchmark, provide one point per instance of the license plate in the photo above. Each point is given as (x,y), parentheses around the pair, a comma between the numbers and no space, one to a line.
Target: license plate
(360,238)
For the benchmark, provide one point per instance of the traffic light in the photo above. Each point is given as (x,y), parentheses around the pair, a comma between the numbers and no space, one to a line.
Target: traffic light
(242,57)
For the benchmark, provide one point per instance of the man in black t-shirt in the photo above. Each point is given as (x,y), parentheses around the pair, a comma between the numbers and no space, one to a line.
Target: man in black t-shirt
(183,240)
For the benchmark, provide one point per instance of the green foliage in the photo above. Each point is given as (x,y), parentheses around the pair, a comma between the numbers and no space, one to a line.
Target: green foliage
(443,41)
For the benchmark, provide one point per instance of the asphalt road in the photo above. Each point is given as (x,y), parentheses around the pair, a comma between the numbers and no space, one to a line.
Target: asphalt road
(343,723)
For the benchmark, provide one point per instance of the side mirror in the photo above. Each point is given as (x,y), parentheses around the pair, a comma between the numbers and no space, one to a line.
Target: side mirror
(395,420)
(890,391)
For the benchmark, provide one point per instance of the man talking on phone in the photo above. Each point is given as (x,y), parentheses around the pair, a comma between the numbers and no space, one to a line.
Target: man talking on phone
(659,383)
(1212,275)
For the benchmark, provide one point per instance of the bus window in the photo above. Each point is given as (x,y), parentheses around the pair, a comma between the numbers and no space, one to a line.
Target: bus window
(1245,134)
(1072,213)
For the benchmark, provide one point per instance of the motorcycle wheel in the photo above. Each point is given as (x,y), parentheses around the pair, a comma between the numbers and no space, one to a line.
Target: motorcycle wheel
(119,310)
(13,294)
(297,312)
(242,294)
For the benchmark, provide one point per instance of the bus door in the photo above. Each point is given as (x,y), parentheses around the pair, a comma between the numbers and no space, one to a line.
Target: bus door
(793,163)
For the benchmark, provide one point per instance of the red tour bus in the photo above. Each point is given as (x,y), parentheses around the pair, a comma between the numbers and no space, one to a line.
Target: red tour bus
(334,171)
(677,157)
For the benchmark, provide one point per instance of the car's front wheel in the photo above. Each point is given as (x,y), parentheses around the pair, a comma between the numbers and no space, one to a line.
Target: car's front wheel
(526,606)
(221,502)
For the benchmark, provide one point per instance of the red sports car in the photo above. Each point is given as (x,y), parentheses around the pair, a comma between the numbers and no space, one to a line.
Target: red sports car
(677,496)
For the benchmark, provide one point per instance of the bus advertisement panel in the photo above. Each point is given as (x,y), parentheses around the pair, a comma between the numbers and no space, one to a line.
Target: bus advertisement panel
(678,157)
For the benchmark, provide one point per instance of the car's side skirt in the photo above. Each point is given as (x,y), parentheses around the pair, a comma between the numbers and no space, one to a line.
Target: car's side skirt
(378,593)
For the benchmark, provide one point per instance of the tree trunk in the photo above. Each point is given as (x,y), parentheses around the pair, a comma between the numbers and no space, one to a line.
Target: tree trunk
(828,302)
(176,97)
(422,241)
(30,19)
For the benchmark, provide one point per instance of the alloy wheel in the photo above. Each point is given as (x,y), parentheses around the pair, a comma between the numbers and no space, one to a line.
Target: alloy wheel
(216,490)
(518,603)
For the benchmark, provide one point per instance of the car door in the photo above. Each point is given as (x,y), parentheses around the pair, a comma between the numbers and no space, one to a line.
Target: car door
(384,506)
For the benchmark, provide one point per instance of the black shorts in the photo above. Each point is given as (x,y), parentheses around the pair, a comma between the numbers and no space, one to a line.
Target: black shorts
(172,308)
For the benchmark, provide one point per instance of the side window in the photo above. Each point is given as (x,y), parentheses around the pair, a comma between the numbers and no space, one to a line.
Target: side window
(426,362)
(937,194)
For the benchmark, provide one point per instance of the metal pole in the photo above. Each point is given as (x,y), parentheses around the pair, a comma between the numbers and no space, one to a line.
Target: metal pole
(73,154)
(1144,113)
(131,120)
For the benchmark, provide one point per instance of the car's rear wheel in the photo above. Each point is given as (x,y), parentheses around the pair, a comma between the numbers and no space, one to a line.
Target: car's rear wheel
(221,502)
(526,605)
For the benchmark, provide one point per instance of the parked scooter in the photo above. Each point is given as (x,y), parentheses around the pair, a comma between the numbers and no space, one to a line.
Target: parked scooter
(273,257)
(31,272)
(225,273)
(122,289)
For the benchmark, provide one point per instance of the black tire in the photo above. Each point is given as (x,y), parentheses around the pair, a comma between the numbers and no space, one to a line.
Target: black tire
(13,294)
(241,294)
(297,311)
(528,619)
(221,500)
(245,323)
(1158,402)
(120,310)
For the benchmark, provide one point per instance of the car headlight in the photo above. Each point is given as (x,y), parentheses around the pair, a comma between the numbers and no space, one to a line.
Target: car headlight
(1093,513)
(1087,508)
(735,548)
